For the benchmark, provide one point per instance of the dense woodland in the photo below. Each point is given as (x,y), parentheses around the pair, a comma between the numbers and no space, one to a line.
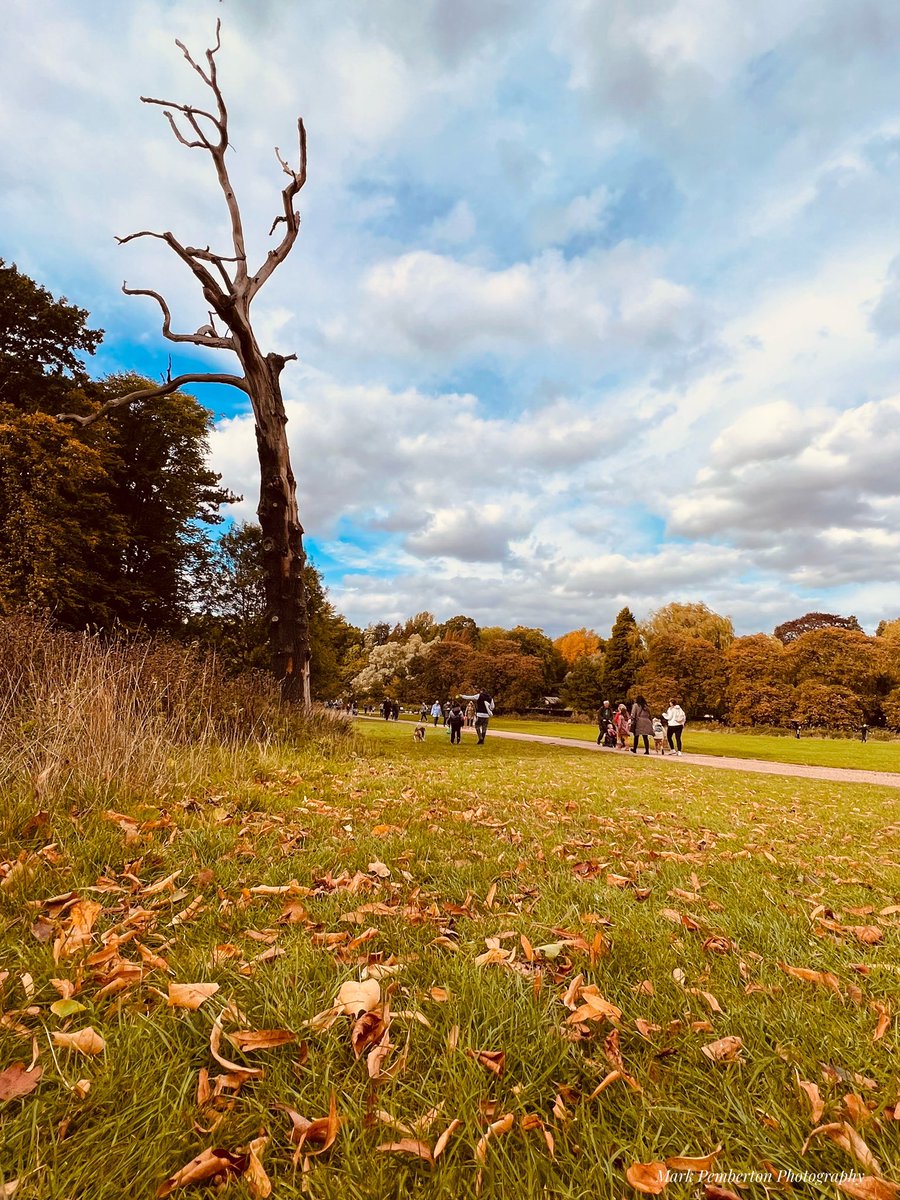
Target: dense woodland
(117,528)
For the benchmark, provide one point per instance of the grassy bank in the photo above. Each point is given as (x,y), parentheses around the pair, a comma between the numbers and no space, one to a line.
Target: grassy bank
(473,888)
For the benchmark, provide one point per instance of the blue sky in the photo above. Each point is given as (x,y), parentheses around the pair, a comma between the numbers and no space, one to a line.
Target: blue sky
(596,302)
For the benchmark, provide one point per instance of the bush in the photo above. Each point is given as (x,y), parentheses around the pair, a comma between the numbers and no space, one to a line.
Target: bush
(108,715)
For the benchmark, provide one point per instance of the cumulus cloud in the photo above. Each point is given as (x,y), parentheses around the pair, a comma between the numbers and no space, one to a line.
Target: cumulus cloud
(426,303)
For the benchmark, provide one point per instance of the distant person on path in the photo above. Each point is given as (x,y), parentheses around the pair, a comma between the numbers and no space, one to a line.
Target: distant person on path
(484,710)
(386,709)
(455,720)
(659,736)
(395,710)
(604,716)
(469,715)
(641,724)
(436,711)
(864,733)
(675,722)
(423,713)
(623,726)
(445,710)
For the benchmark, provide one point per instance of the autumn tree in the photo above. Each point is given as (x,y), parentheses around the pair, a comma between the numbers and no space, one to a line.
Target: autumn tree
(689,669)
(843,658)
(789,631)
(758,691)
(229,284)
(578,643)
(689,620)
(623,659)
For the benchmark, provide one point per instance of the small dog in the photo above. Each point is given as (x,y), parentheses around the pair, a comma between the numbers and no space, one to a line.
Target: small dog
(419,733)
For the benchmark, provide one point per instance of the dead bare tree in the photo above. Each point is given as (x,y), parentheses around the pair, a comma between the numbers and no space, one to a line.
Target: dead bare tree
(229,287)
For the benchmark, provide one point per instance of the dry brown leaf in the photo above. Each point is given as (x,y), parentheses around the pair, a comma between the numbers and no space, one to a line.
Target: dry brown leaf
(379,869)
(18,1080)
(354,998)
(492,1060)
(441,1144)
(79,924)
(816,1103)
(322,1131)
(190,995)
(439,994)
(884,1019)
(258,1182)
(870,1187)
(869,935)
(706,1163)
(261,1039)
(207,1165)
(724,1050)
(821,978)
(845,1136)
(215,1041)
(496,1128)
(649,1178)
(86,1041)
(368,1030)
(712,1191)
(408,1146)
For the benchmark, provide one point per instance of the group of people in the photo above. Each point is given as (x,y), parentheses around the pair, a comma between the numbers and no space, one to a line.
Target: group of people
(619,724)
(476,714)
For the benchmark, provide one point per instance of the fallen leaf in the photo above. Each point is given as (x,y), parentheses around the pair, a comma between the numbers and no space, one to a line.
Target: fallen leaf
(206,1165)
(354,998)
(322,1131)
(712,1191)
(66,1008)
(650,1178)
(190,995)
(705,1163)
(215,1041)
(86,1041)
(261,1039)
(495,1129)
(18,1080)
(492,1060)
(821,978)
(379,869)
(870,1187)
(441,1144)
(258,1182)
(845,1136)
(408,1146)
(725,1050)
(816,1103)
(884,1019)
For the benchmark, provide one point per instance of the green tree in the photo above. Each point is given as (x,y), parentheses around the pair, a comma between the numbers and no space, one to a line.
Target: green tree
(233,619)
(582,688)
(42,344)
(624,658)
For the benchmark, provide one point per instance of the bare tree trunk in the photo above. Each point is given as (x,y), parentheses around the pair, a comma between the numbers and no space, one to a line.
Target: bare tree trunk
(229,287)
(282,539)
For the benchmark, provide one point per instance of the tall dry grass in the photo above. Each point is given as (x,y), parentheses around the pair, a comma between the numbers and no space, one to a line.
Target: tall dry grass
(91,718)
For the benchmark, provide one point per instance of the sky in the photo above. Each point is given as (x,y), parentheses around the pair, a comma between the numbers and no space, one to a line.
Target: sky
(595,302)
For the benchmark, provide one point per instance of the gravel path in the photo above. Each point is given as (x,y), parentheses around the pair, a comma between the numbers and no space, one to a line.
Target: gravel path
(759,766)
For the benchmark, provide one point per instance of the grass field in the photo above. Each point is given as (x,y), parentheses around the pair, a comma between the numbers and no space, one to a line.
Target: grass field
(548,940)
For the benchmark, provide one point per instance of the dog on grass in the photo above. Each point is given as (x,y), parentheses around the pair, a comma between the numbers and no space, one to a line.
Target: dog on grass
(419,733)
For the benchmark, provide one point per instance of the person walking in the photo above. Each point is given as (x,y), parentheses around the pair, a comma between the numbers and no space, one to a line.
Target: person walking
(623,726)
(455,721)
(604,716)
(641,724)
(436,711)
(675,722)
(484,710)
(423,713)
(469,715)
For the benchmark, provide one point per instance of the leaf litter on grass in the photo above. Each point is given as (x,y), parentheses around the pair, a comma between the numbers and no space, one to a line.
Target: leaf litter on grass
(553,896)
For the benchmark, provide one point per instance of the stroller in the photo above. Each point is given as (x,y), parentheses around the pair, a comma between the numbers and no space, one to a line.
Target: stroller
(608,736)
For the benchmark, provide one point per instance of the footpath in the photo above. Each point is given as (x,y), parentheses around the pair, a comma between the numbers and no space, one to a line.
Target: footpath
(757,766)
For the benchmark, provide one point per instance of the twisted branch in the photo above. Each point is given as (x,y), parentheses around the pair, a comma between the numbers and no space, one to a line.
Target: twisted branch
(153,393)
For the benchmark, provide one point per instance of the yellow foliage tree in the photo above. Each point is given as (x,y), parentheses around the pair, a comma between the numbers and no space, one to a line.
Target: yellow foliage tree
(579,643)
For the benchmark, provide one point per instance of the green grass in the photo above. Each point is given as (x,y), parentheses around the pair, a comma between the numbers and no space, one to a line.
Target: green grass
(505,841)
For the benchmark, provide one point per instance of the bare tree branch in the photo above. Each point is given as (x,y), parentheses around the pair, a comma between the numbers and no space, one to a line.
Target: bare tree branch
(200,338)
(219,299)
(290,218)
(153,393)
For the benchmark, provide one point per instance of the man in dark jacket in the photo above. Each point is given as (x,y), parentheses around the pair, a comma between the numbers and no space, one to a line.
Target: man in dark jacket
(455,721)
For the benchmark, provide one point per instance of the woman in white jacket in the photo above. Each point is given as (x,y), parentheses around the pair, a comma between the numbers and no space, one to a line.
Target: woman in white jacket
(675,721)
